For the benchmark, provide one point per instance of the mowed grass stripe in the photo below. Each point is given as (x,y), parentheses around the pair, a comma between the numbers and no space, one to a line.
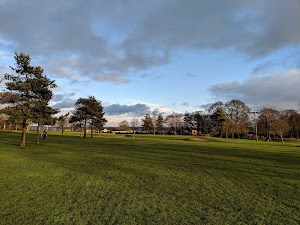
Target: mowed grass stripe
(148,180)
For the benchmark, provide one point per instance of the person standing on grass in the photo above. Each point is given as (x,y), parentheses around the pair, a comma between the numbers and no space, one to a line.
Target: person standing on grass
(44,134)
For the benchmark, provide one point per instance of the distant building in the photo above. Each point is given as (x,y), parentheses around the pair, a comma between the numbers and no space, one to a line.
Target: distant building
(44,127)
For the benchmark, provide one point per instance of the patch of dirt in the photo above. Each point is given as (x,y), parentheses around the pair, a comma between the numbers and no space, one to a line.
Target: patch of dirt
(199,139)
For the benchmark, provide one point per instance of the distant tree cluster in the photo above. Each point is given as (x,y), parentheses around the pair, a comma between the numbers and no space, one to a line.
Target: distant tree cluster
(231,119)
(26,98)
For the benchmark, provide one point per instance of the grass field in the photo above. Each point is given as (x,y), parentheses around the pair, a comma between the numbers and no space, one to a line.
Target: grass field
(148,180)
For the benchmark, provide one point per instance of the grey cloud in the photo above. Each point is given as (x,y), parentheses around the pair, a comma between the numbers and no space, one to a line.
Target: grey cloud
(150,76)
(185,104)
(205,106)
(156,112)
(144,75)
(281,89)
(62,101)
(190,75)
(95,38)
(60,97)
(134,110)
(62,73)
(65,103)
(266,67)
(245,26)
(278,29)
(111,77)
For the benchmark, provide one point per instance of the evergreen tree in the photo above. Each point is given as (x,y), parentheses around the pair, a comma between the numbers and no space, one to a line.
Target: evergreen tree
(201,122)
(29,92)
(160,123)
(41,111)
(147,123)
(96,114)
(89,110)
(220,118)
(188,122)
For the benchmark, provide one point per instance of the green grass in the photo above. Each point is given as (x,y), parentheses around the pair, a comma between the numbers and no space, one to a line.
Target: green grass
(148,180)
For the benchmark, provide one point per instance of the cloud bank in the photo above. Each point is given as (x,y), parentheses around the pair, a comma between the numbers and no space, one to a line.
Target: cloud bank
(106,41)
(280,89)
(131,110)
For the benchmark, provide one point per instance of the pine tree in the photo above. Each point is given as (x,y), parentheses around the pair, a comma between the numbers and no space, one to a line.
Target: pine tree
(29,92)
(160,123)
(220,118)
(88,110)
(147,123)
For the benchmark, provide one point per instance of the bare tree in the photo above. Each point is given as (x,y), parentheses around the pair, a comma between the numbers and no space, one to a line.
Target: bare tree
(268,115)
(62,121)
(255,114)
(174,122)
(3,120)
(134,124)
(238,111)
(281,126)
(154,118)
(124,125)
(293,118)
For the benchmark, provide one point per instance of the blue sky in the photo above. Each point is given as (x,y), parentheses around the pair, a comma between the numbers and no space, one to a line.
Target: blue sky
(163,55)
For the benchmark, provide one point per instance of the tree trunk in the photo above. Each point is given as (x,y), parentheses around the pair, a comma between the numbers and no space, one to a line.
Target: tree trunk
(92,130)
(267,131)
(62,133)
(84,129)
(281,137)
(38,134)
(23,138)
(80,129)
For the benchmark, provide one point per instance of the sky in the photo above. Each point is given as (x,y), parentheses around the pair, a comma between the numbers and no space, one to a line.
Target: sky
(167,56)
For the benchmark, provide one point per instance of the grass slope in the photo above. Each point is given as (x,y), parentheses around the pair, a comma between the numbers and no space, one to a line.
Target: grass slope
(148,180)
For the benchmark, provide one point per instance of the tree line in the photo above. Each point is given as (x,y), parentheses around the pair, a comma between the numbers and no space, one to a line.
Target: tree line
(26,98)
(231,119)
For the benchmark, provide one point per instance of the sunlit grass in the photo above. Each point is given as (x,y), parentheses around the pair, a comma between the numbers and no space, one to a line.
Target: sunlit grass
(149,179)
